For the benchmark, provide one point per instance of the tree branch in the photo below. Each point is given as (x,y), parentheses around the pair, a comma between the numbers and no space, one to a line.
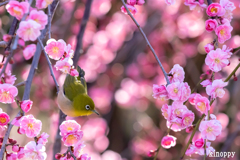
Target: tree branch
(82,28)
(49,64)
(3,3)
(148,43)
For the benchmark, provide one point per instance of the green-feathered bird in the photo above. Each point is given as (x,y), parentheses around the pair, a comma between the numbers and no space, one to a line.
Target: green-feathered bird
(73,99)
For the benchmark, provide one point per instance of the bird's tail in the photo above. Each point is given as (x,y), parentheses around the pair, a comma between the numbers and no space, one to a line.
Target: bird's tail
(81,72)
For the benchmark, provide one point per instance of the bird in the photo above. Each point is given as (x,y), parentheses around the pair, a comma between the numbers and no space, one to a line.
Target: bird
(73,99)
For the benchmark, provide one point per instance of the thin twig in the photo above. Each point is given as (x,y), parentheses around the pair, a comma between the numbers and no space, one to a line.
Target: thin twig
(49,22)
(71,153)
(3,3)
(209,2)
(27,89)
(20,84)
(83,25)
(193,133)
(49,65)
(150,46)
(232,73)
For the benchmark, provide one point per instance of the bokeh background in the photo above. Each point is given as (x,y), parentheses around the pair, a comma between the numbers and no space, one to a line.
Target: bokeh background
(120,71)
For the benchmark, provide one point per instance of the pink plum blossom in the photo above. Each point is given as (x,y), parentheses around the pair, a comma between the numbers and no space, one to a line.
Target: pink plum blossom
(35,151)
(7,37)
(15,148)
(215,9)
(168,141)
(17,9)
(30,126)
(178,91)
(160,92)
(208,47)
(229,7)
(206,82)
(217,59)
(131,8)
(176,74)
(55,49)
(29,30)
(131,2)
(26,105)
(29,51)
(170,2)
(16,121)
(210,129)
(227,50)
(20,153)
(223,32)
(140,2)
(40,17)
(7,93)
(167,111)
(68,51)
(211,25)
(193,4)
(199,143)
(201,103)
(4,118)
(8,78)
(11,156)
(64,65)
(78,148)
(72,138)
(85,157)
(74,72)
(41,4)
(43,138)
(216,89)
(69,126)
(187,118)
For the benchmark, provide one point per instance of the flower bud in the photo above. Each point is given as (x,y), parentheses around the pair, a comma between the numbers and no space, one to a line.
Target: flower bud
(58,155)
(26,105)
(15,148)
(11,61)
(199,143)
(1,140)
(189,129)
(235,78)
(151,153)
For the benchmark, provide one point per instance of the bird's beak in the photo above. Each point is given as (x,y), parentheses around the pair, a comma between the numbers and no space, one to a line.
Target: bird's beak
(95,112)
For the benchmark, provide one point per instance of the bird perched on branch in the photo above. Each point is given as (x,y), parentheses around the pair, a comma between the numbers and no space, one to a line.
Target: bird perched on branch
(73,99)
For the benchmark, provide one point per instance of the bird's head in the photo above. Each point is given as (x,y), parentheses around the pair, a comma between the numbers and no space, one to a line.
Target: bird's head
(84,105)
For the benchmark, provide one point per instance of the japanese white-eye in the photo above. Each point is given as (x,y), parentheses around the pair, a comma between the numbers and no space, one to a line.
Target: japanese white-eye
(73,99)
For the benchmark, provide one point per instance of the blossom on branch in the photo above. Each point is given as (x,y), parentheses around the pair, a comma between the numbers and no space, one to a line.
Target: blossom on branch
(41,4)
(29,30)
(176,74)
(29,51)
(216,89)
(131,8)
(224,32)
(160,92)
(55,49)
(40,17)
(168,141)
(215,9)
(210,129)
(26,105)
(35,151)
(64,65)
(211,25)
(17,9)
(7,93)
(4,118)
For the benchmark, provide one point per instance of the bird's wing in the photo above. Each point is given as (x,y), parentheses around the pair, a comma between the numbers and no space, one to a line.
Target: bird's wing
(74,86)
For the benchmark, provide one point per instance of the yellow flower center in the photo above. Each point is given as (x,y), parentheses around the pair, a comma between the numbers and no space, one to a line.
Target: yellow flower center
(214,10)
(17,12)
(175,90)
(210,129)
(222,32)
(187,119)
(2,120)
(30,125)
(217,60)
(69,128)
(202,106)
(55,50)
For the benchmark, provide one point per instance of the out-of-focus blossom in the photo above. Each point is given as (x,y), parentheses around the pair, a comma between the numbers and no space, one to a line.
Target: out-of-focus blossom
(193,4)
(55,49)
(74,72)
(17,9)
(40,4)
(216,89)
(223,32)
(215,9)
(29,51)
(178,91)
(131,2)
(201,103)
(64,65)
(196,149)
(206,82)
(20,153)
(168,141)
(217,59)
(176,74)
(208,47)
(29,30)
(211,25)
(7,93)
(70,132)
(35,151)
(40,17)
(15,148)
(131,8)
(43,138)
(7,37)
(11,156)
(30,126)
(170,2)
(210,129)
(160,92)
(8,78)
(4,118)
(187,118)
(229,7)
(85,157)
(78,148)
(140,2)
(26,105)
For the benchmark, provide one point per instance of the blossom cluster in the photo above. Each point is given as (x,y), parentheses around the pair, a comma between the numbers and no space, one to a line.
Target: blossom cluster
(130,5)
(59,50)
(72,134)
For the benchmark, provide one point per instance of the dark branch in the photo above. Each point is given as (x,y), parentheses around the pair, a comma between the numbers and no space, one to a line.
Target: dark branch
(83,25)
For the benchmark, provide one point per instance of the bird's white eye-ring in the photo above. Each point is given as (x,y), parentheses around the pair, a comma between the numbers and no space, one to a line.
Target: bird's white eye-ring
(87,107)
